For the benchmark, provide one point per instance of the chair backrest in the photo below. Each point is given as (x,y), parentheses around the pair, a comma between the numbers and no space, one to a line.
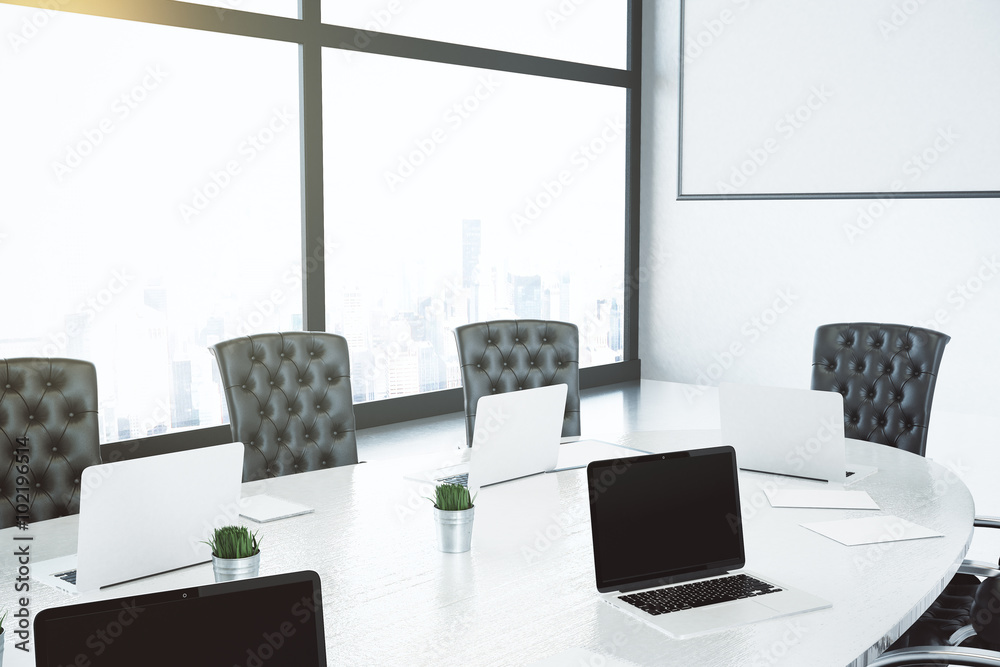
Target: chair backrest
(290,401)
(886,373)
(507,355)
(53,403)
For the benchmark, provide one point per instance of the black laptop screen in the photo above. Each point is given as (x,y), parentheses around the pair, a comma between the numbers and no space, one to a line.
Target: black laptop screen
(274,621)
(665,517)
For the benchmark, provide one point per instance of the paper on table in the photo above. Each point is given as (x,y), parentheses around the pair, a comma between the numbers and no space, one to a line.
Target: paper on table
(887,528)
(821,498)
(264,508)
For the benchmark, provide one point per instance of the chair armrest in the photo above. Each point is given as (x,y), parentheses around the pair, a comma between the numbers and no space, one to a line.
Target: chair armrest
(951,655)
(978,568)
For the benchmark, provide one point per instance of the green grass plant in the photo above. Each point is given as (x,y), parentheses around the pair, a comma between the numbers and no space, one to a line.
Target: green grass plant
(452,497)
(234,542)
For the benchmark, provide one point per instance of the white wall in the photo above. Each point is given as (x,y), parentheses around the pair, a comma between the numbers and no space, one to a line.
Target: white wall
(734,290)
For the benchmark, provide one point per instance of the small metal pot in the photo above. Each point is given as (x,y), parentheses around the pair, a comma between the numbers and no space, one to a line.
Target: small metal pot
(231,569)
(454,529)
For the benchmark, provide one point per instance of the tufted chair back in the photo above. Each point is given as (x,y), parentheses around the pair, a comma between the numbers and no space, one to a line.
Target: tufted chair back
(507,355)
(53,404)
(886,373)
(290,401)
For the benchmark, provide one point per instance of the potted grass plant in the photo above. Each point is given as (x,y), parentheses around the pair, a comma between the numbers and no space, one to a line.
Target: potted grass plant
(453,513)
(235,553)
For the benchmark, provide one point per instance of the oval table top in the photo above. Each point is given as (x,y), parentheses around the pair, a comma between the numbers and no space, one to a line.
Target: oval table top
(525,593)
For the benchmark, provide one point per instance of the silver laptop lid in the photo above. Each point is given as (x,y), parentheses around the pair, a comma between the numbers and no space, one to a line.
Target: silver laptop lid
(794,432)
(517,434)
(149,515)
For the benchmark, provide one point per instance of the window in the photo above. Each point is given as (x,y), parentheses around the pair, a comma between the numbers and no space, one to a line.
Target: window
(586,31)
(455,195)
(155,180)
(151,207)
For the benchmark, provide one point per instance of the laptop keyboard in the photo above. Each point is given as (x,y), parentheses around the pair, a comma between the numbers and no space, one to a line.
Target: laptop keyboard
(69,576)
(698,594)
(461,479)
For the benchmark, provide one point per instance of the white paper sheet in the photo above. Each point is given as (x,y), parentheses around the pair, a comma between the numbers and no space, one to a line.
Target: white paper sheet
(264,508)
(871,530)
(821,498)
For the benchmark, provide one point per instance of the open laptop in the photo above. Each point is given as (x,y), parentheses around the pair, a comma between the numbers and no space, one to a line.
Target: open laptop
(517,434)
(275,621)
(668,544)
(144,516)
(785,431)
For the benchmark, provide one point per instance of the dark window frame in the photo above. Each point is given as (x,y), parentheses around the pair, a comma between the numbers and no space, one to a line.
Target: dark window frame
(312,36)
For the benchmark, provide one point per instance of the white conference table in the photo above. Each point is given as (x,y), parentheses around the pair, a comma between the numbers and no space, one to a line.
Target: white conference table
(525,593)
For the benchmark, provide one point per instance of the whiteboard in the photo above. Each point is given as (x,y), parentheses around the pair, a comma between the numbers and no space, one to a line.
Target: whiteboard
(827,97)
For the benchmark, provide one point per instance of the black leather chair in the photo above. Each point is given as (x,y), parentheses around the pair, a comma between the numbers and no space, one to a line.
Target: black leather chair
(507,355)
(976,643)
(886,373)
(290,401)
(53,403)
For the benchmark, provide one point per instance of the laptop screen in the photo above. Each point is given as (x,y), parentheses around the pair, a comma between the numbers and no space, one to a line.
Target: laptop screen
(663,518)
(275,621)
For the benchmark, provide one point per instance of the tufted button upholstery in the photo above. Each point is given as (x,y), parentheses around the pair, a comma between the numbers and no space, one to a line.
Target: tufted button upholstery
(52,403)
(290,401)
(886,373)
(508,355)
